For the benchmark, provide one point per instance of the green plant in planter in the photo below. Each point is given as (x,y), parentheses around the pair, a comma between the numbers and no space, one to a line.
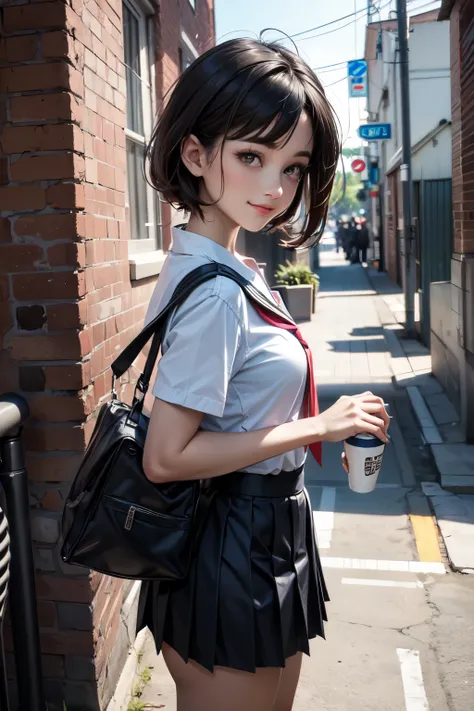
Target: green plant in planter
(295,275)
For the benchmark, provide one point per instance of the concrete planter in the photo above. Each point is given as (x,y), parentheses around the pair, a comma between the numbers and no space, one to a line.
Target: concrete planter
(298,300)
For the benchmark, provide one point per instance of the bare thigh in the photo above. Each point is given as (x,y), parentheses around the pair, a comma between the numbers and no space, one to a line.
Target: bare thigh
(198,689)
(289,678)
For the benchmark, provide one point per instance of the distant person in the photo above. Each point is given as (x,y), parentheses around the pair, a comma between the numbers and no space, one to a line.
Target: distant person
(346,240)
(353,242)
(339,234)
(363,242)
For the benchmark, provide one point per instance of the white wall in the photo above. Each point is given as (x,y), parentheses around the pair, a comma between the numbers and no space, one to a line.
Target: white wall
(430,96)
(434,159)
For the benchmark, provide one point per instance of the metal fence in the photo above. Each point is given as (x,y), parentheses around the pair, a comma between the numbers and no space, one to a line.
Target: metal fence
(17,574)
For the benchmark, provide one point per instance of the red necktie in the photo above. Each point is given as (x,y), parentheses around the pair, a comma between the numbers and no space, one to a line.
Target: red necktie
(311,408)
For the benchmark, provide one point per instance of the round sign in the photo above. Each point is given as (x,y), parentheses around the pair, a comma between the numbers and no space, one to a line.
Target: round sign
(358,165)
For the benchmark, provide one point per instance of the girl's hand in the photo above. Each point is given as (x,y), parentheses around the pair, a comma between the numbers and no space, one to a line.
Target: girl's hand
(353,415)
(345,463)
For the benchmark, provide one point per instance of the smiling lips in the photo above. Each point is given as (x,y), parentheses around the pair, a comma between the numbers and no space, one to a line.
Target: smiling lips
(262,209)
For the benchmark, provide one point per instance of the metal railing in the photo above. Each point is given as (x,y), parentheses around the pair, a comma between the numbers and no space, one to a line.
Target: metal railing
(17,573)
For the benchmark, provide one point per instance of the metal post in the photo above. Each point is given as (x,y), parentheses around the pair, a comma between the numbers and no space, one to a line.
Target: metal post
(22,597)
(405,170)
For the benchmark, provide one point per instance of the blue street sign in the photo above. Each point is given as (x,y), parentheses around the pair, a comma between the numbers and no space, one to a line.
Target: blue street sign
(357,75)
(357,68)
(375,131)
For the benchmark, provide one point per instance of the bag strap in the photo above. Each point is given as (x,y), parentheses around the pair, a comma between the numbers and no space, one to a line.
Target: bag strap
(186,286)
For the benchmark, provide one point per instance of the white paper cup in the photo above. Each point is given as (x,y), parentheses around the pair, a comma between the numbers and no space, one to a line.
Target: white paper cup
(364,454)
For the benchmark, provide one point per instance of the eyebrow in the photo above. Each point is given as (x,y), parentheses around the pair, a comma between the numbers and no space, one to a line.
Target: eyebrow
(303,154)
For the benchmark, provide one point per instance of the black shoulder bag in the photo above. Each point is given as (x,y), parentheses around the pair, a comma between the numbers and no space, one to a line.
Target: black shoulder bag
(115,520)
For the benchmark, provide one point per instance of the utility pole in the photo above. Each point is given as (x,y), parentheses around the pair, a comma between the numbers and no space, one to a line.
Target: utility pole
(405,171)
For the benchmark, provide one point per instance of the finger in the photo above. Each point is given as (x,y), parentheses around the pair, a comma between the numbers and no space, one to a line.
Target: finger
(369,428)
(375,422)
(372,407)
(345,462)
(378,409)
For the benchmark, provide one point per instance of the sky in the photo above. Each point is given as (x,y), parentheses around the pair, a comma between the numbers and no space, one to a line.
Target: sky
(338,42)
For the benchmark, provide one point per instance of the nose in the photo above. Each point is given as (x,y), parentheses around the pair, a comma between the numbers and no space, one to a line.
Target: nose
(275,190)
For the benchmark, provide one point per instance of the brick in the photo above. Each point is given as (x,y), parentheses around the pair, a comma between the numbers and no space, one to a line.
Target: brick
(43,107)
(44,529)
(56,44)
(53,666)
(4,288)
(5,230)
(66,255)
(66,316)
(6,320)
(30,318)
(20,139)
(80,668)
(45,559)
(53,166)
(52,501)
(35,77)
(66,195)
(56,408)
(74,616)
(67,377)
(48,467)
(20,258)
(54,437)
(47,615)
(41,15)
(23,197)
(67,643)
(48,285)
(85,691)
(19,49)
(32,378)
(48,227)
(54,346)
(61,589)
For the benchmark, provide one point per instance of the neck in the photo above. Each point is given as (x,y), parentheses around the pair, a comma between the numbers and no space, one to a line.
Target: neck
(216,226)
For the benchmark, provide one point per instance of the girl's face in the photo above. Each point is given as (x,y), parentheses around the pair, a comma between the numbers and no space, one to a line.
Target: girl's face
(254,183)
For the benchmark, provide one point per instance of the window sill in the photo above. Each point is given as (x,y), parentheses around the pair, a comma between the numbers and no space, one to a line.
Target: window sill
(146,264)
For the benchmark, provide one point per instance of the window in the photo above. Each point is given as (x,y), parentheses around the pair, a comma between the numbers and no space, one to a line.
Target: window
(142,203)
(187,52)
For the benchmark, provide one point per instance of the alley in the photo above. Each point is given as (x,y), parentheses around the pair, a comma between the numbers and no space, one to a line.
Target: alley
(399,620)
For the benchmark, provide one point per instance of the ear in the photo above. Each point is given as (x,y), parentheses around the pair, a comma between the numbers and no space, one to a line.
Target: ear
(193,155)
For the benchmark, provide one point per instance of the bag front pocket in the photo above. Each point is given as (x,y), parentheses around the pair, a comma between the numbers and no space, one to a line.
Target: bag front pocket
(143,544)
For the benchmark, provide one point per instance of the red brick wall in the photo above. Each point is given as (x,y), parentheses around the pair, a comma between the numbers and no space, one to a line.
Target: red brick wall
(462,97)
(66,302)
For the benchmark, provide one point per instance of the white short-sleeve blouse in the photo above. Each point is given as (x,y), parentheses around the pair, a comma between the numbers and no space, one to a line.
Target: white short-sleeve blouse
(220,357)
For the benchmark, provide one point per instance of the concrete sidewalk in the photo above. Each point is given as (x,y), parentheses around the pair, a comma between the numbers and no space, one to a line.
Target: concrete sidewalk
(451,497)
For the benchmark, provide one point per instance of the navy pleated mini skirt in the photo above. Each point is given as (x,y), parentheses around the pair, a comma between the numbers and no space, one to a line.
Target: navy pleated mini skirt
(255,593)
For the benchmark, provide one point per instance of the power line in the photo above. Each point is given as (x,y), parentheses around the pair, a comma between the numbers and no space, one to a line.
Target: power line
(344,78)
(326,66)
(347,24)
(326,24)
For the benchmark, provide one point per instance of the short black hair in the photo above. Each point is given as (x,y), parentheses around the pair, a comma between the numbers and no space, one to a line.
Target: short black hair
(246,88)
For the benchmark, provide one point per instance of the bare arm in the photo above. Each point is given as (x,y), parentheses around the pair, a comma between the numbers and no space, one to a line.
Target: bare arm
(176,449)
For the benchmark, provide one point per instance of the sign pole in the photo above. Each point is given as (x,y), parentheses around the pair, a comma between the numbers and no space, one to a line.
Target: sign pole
(406,172)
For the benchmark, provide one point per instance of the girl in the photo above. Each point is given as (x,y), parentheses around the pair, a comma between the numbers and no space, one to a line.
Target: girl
(246,135)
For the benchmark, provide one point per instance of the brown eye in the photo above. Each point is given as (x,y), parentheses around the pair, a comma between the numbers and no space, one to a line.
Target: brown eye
(295,171)
(248,158)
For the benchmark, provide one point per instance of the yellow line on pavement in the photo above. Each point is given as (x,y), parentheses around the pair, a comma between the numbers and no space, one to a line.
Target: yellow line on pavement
(426,537)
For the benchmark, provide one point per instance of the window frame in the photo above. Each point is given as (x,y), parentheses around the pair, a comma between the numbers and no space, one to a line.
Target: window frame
(186,50)
(140,248)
